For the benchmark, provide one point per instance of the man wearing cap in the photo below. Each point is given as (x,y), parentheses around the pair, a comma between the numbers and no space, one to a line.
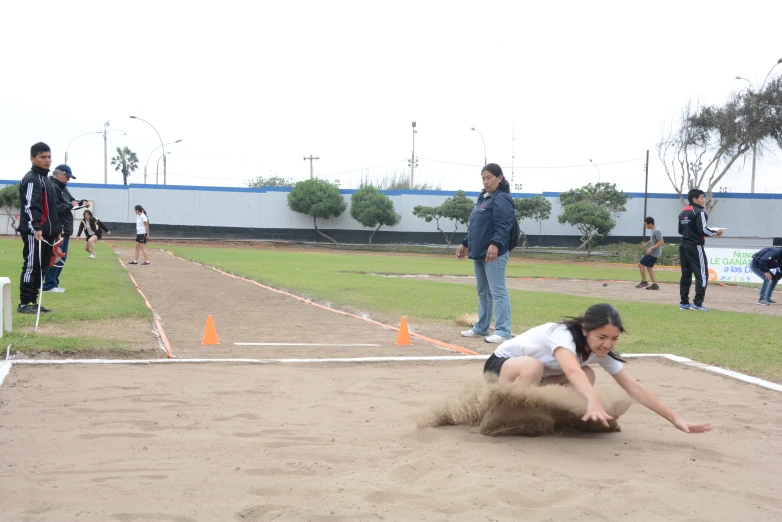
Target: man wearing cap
(65,204)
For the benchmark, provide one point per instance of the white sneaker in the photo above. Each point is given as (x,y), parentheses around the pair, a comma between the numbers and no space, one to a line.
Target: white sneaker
(91,256)
(58,290)
(495,339)
(471,333)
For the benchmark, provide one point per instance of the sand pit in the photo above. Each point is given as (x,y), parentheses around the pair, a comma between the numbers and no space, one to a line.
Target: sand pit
(329,442)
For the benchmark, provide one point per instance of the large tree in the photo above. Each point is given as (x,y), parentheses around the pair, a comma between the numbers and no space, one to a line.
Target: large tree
(456,208)
(537,208)
(373,209)
(317,198)
(10,201)
(590,208)
(271,181)
(706,142)
(125,162)
(602,194)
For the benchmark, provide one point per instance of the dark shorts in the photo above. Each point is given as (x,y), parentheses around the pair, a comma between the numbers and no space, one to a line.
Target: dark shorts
(648,261)
(494,364)
(141,238)
(89,236)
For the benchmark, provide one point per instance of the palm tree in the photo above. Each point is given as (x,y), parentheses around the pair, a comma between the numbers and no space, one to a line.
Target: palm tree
(126,162)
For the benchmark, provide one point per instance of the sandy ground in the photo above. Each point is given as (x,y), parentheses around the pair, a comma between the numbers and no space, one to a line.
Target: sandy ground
(183,294)
(329,442)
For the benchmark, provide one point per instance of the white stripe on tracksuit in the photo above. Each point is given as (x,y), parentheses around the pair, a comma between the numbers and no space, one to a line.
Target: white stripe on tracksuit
(704,275)
(30,259)
(29,200)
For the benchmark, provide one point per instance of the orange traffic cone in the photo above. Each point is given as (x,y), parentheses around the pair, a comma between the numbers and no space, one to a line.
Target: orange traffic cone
(210,334)
(403,337)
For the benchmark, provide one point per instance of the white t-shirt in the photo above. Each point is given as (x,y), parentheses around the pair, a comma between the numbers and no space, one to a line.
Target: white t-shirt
(140,220)
(88,228)
(540,343)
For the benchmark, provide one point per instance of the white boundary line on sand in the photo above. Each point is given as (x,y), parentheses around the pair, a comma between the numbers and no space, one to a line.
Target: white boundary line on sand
(5,366)
(305,344)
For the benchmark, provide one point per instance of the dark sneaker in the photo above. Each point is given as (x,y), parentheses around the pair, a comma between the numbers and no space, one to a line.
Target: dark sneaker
(642,284)
(132,262)
(146,263)
(699,308)
(44,310)
(685,306)
(769,301)
(653,287)
(763,302)
(26,309)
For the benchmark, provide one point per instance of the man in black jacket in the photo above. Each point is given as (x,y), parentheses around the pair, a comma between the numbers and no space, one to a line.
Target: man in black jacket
(65,204)
(38,225)
(694,227)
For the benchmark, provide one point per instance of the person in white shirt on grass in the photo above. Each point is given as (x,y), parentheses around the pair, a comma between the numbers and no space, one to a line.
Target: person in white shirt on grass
(142,235)
(560,353)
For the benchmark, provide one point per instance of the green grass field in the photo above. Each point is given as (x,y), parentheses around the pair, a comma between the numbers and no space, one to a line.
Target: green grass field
(743,342)
(96,290)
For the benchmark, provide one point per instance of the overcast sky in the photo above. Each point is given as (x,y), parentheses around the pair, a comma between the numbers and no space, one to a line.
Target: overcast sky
(252,87)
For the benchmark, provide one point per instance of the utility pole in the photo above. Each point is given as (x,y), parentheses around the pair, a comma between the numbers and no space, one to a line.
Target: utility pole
(105,153)
(413,161)
(305,159)
(646,191)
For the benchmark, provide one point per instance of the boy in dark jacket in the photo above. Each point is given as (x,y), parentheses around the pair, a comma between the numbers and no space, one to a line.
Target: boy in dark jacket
(767,265)
(38,225)
(694,227)
(65,205)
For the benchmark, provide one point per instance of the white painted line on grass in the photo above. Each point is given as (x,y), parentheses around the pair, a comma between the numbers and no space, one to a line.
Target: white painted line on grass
(303,344)
(5,367)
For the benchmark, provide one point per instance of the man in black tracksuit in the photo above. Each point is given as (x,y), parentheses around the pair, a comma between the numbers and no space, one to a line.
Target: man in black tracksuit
(693,226)
(38,225)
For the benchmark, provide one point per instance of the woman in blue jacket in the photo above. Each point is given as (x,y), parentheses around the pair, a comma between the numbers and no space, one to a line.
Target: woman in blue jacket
(487,245)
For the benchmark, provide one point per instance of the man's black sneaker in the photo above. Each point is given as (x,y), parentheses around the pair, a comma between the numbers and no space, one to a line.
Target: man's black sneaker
(642,284)
(653,287)
(44,310)
(26,309)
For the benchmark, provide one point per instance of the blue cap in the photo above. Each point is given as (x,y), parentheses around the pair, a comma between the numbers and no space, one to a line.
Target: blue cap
(65,169)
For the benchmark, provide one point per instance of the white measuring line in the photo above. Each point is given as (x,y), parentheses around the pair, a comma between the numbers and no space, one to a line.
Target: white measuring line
(302,344)
(5,366)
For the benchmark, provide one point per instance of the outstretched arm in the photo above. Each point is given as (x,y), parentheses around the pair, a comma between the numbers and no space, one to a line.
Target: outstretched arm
(641,393)
(569,363)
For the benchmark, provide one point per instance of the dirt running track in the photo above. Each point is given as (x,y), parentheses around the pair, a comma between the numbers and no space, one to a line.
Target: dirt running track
(183,294)
(336,442)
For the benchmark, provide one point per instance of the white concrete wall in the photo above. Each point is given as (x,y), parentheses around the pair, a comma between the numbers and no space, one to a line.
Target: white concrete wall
(744,215)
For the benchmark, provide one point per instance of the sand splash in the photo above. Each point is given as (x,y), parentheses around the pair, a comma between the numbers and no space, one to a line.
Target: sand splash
(504,409)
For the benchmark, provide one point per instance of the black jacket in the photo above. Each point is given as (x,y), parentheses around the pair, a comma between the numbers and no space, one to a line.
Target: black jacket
(95,224)
(769,260)
(64,205)
(693,225)
(39,204)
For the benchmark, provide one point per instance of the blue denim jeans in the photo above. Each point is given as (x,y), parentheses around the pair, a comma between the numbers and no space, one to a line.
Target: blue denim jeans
(492,296)
(53,273)
(768,285)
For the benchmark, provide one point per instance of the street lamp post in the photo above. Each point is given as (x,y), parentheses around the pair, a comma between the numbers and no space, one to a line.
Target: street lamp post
(413,161)
(74,139)
(162,145)
(484,143)
(598,170)
(754,143)
(158,166)
(150,155)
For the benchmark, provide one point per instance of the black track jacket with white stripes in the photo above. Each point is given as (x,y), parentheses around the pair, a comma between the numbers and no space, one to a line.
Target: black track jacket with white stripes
(693,225)
(39,204)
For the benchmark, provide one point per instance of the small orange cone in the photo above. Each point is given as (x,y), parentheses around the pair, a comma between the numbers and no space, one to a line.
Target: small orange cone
(210,334)
(403,337)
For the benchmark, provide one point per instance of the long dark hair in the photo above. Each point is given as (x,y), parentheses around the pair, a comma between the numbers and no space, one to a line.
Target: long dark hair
(93,220)
(496,171)
(141,209)
(596,316)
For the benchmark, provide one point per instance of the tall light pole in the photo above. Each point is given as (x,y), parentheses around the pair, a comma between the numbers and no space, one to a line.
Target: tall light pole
(74,139)
(484,143)
(162,145)
(413,162)
(598,170)
(150,155)
(754,105)
(158,166)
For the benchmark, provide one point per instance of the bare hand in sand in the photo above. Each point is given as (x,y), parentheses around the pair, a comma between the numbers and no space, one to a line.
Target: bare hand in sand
(595,412)
(688,427)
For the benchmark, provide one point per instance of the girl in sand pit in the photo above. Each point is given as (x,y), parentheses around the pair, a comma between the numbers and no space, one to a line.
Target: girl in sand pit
(559,353)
